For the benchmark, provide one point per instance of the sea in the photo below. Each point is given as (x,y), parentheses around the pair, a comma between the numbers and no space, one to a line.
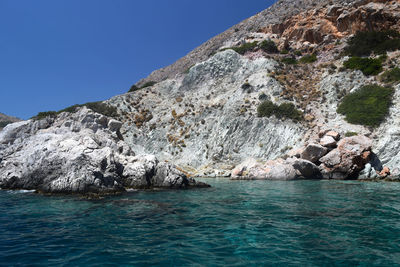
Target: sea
(233,223)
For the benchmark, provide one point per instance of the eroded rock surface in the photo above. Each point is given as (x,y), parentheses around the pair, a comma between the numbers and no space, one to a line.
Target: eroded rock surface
(78,153)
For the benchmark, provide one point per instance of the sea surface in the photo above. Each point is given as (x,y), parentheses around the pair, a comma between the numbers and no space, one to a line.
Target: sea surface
(234,223)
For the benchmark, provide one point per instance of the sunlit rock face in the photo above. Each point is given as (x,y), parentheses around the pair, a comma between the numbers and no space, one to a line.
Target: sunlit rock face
(78,152)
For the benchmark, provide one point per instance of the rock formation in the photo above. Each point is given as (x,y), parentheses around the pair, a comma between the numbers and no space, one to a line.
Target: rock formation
(79,152)
(344,161)
(202,113)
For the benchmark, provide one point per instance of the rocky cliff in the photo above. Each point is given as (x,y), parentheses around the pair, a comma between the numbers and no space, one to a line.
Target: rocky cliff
(262,91)
(81,152)
(202,112)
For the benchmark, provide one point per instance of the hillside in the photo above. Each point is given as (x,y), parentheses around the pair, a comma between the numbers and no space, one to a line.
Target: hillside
(274,15)
(4,120)
(202,112)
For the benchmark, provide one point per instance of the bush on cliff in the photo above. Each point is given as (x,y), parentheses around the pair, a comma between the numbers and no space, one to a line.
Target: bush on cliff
(391,76)
(98,107)
(369,66)
(269,46)
(367,106)
(308,59)
(4,123)
(285,110)
(246,47)
(289,60)
(364,43)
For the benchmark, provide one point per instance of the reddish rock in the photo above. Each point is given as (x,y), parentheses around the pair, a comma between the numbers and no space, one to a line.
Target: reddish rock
(333,134)
(348,158)
(385,172)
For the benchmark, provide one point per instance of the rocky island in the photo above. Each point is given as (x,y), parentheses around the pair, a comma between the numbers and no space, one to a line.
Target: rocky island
(290,93)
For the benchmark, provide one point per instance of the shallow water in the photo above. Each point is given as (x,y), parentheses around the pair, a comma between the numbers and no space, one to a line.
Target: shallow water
(234,223)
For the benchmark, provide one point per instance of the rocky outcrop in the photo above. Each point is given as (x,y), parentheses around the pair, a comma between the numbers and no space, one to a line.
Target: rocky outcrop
(207,121)
(324,24)
(350,159)
(80,152)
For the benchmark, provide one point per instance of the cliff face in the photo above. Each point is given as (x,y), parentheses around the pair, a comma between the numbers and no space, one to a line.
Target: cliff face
(202,113)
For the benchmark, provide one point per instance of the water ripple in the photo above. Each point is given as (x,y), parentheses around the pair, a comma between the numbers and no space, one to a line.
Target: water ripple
(239,223)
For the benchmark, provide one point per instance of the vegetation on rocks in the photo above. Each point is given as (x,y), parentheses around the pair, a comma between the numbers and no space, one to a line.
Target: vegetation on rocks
(365,43)
(289,60)
(269,46)
(4,123)
(308,59)
(350,134)
(283,111)
(391,76)
(246,47)
(368,66)
(367,106)
(98,107)
(135,88)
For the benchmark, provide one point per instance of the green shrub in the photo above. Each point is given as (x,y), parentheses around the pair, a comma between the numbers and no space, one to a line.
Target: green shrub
(285,110)
(133,88)
(269,46)
(369,66)
(391,76)
(289,60)
(246,47)
(297,53)
(44,114)
(102,108)
(4,123)
(308,59)
(148,84)
(350,134)
(367,106)
(364,43)
(284,52)
(98,107)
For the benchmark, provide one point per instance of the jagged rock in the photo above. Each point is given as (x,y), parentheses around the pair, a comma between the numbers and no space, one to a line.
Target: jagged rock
(333,134)
(78,153)
(313,152)
(348,159)
(328,141)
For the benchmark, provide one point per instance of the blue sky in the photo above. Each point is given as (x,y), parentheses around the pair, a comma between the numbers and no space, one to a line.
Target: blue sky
(56,53)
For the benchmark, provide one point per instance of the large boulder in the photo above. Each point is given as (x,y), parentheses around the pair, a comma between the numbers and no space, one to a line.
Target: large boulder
(306,169)
(348,159)
(313,152)
(78,153)
(289,169)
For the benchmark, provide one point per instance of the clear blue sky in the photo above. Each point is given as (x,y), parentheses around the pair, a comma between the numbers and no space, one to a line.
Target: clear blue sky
(56,53)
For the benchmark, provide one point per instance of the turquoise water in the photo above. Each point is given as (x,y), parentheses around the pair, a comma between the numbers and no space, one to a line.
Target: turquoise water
(234,223)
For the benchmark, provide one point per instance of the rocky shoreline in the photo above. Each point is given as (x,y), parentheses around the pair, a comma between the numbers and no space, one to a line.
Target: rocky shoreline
(328,157)
(81,153)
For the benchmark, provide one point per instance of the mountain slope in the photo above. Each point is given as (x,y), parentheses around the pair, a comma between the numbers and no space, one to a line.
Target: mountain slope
(274,15)
(4,120)
(204,117)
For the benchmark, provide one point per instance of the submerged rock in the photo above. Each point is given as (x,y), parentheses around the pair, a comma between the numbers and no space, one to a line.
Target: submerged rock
(79,153)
